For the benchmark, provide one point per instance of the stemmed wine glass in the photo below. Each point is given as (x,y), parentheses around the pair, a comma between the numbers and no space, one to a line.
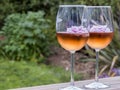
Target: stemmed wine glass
(71,33)
(100,25)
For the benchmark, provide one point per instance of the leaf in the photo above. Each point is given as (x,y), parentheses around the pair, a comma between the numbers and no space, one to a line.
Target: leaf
(88,59)
(112,64)
(37,31)
(30,41)
(28,33)
(103,70)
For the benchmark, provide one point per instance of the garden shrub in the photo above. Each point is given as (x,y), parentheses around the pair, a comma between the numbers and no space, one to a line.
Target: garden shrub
(26,36)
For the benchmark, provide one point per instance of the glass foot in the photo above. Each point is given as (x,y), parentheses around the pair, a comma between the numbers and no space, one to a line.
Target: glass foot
(71,88)
(96,85)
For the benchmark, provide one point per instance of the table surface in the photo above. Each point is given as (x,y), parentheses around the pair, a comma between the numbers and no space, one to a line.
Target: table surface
(113,82)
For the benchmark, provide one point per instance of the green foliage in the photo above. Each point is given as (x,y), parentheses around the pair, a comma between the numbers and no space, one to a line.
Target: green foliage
(49,7)
(23,74)
(23,6)
(26,36)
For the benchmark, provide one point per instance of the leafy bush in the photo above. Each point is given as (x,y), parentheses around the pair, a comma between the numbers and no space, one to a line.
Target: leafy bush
(26,36)
(49,7)
(15,74)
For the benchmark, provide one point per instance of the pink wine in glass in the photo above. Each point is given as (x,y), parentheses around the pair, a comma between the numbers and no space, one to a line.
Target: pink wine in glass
(72,41)
(99,40)
(100,25)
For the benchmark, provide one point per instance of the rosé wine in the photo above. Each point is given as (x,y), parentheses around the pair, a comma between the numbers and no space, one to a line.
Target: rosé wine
(98,40)
(72,41)
(100,37)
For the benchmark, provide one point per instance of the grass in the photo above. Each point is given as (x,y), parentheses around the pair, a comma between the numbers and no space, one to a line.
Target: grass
(14,74)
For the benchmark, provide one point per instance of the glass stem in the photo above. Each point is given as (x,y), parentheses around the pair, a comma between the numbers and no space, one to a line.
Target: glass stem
(97,65)
(72,68)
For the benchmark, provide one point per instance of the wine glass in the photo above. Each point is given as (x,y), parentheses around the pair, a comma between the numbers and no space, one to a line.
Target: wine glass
(100,25)
(71,33)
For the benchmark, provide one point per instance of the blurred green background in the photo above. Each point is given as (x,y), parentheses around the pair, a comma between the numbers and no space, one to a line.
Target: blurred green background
(27,32)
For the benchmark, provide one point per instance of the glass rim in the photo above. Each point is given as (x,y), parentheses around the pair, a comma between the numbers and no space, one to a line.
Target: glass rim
(99,6)
(72,5)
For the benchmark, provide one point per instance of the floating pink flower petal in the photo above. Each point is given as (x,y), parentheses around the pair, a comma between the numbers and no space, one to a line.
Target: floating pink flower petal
(77,29)
(100,28)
